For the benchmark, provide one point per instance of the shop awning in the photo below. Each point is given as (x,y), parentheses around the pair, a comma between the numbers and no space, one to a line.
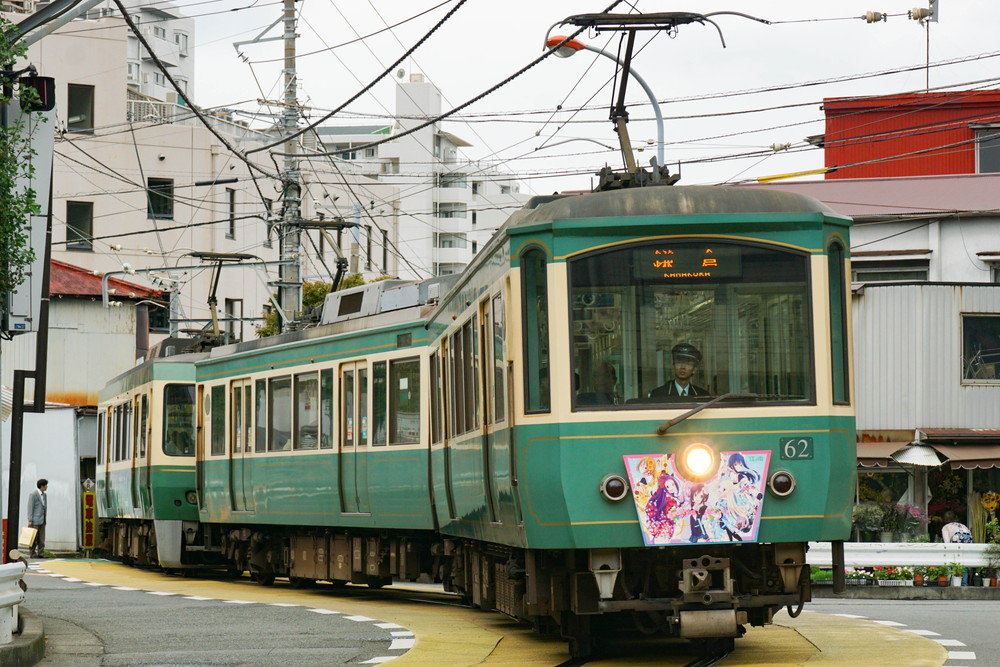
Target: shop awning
(969,457)
(876,454)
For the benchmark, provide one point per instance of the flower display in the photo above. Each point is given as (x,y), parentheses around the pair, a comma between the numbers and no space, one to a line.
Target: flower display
(990,501)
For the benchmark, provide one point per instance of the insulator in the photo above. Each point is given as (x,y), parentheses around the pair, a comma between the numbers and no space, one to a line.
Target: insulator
(874,17)
(920,13)
(780,147)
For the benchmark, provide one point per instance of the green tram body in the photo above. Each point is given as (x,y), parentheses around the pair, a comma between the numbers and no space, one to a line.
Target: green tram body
(500,496)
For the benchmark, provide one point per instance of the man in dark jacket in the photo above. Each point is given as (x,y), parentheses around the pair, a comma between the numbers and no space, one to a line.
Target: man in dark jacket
(37,511)
(685,359)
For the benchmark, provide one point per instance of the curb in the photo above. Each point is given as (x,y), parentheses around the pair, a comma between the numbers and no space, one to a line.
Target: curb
(28,647)
(909,593)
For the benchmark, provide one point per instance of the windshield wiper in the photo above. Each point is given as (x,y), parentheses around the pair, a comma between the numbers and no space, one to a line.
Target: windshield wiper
(666,426)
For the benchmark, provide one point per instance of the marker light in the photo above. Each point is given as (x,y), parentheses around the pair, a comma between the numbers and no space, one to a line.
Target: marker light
(697,462)
(782,483)
(614,487)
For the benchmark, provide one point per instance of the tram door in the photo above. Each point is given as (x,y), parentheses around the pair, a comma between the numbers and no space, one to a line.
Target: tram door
(486,377)
(353,480)
(109,456)
(241,439)
(200,447)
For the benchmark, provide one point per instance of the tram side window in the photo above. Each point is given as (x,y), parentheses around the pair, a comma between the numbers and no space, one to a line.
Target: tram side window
(115,434)
(306,411)
(457,385)
(838,324)
(404,402)
(536,327)
(260,409)
(143,418)
(129,432)
(100,437)
(379,415)
(499,376)
(326,407)
(435,397)
(279,414)
(218,420)
(178,420)
(471,363)
(119,439)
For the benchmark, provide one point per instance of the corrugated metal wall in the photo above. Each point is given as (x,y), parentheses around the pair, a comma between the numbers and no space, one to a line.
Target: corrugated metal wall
(908,355)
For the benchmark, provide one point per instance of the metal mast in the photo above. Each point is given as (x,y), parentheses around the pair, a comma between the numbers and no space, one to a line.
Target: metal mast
(289,236)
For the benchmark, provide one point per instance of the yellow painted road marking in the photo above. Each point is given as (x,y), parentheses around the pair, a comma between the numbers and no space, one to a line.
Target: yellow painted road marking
(450,635)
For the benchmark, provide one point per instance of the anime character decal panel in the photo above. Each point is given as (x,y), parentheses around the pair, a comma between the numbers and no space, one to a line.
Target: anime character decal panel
(723,508)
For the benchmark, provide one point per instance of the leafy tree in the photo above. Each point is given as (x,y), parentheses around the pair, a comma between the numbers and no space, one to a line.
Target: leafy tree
(313,294)
(18,203)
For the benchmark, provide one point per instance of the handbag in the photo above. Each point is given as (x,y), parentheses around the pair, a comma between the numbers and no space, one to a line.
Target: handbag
(27,537)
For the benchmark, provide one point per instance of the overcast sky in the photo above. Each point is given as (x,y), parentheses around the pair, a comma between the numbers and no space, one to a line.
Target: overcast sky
(486,41)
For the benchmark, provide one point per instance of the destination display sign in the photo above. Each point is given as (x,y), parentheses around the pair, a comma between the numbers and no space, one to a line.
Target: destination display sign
(687,261)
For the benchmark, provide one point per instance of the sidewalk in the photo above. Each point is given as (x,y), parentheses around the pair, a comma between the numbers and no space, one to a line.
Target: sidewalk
(909,593)
(28,647)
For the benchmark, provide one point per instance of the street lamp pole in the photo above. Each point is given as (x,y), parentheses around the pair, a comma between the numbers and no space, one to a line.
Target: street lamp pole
(574,45)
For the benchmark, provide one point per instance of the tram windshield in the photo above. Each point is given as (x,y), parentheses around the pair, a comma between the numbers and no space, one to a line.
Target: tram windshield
(178,420)
(664,323)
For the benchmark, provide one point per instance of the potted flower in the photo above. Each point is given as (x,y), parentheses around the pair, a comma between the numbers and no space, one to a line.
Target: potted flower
(819,576)
(957,572)
(856,577)
(939,573)
(867,520)
(893,576)
(919,575)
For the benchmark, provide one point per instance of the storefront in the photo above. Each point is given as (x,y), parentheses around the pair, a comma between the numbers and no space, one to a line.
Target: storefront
(907,501)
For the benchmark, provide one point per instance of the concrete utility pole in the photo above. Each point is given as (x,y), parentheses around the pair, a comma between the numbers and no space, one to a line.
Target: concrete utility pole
(289,236)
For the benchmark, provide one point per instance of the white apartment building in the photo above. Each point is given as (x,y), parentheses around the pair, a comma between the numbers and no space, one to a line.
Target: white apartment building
(448,207)
(140,184)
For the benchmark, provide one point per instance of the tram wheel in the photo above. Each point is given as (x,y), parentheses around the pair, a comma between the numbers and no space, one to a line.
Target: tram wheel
(300,582)
(376,583)
(262,578)
(577,632)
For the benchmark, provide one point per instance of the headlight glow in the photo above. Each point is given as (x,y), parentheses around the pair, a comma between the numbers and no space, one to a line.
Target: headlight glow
(697,462)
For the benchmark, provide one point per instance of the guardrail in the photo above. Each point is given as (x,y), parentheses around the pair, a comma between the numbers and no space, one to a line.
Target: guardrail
(909,554)
(11,595)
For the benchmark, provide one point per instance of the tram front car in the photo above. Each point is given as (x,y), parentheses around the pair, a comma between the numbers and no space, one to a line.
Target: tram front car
(651,304)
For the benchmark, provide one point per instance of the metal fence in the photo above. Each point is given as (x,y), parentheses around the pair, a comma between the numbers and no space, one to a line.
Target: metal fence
(870,554)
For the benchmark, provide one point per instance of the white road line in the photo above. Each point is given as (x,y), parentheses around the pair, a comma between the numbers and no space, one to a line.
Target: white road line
(924,633)
(124,588)
(164,593)
(849,615)
(323,611)
(961,655)
(948,642)
(891,624)
(359,619)
(74,580)
(388,626)
(93,583)
(379,660)
(401,633)
(283,604)
(239,602)
(196,597)
(402,644)
(58,576)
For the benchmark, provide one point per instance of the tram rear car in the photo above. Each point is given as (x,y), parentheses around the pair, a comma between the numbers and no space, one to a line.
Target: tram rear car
(578,482)
(146,464)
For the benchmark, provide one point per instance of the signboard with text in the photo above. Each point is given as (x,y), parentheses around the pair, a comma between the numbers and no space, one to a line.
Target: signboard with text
(684,261)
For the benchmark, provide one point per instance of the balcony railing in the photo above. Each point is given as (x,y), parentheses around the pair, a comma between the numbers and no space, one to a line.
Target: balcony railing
(139,111)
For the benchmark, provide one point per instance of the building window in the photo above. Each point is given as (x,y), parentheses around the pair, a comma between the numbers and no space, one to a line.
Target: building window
(160,198)
(890,271)
(79,225)
(159,31)
(385,251)
(371,152)
(182,84)
(231,204)
(452,180)
(981,348)
(447,268)
(79,107)
(475,247)
(475,187)
(234,319)
(507,189)
(368,248)
(133,72)
(474,216)
(391,167)
(448,210)
(988,150)
(449,241)
(181,39)
(159,79)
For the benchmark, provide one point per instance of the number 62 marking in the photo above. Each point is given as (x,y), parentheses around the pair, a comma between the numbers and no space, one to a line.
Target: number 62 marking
(796,448)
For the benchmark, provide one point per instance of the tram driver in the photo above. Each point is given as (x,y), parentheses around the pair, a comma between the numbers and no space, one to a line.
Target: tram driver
(685,359)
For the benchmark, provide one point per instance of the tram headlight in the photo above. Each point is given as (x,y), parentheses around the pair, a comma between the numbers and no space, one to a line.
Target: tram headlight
(614,487)
(697,462)
(191,497)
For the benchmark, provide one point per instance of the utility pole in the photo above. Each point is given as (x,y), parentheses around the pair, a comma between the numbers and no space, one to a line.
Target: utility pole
(289,236)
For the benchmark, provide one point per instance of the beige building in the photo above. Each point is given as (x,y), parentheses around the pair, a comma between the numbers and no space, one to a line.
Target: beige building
(140,183)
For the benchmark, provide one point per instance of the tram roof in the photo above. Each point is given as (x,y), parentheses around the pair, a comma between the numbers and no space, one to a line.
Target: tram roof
(670,200)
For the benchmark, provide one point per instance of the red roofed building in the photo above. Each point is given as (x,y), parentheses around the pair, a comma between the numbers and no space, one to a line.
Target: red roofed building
(917,134)
(69,280)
